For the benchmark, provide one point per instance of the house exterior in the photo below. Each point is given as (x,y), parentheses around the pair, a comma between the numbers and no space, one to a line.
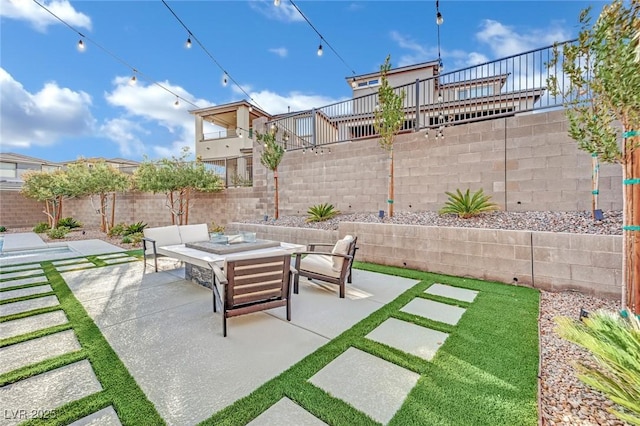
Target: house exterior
(14,166)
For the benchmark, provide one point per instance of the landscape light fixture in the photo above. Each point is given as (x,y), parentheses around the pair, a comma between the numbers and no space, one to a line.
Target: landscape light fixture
(81,45)
(320,50)
(188,43)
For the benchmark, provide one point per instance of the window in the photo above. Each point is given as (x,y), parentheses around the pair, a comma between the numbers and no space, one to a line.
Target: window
(8,170)
(475,92)
(368,83)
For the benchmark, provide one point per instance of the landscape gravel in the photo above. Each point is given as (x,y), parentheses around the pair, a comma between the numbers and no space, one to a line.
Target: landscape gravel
(564,399)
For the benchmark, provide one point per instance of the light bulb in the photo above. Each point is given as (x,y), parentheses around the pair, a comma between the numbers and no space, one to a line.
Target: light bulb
(250,108)
(276,2)
(439,18)
(320,50)
(440,98)
(81,45)
(176,104)
(225,79)
(133,80)
(188,43)
(353,83)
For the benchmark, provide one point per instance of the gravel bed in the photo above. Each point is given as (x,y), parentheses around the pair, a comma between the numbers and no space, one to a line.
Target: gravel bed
(574,222)
(564,400)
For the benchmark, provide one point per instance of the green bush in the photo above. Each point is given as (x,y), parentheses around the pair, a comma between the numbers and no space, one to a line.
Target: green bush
(468,205)
(216,228)
(117,230)
(615,343)
(136,237)
(321,212)
(3,229)
(57,233)
(69,222)
(127,239)
(41,228)
(134,228)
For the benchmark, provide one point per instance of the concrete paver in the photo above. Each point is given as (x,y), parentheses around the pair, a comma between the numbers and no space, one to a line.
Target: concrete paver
(23,241)
(32,323)
(70,261)
(21,292)
(452,292)
(370,384)
(37,350)
(20,274)
(84,265)
(286,413)
(434,310)
(23,281)
(112,255)
(120,260)
(48,391)
(105,417)
(28,305)
(410,338)
(19,268)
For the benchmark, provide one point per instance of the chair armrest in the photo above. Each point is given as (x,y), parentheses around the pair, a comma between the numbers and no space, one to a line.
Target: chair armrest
(312,246)
(325,253)
(222,278)
(144,244)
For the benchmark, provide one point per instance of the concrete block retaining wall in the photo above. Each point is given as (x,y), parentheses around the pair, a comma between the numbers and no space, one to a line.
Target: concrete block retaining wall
(590,264)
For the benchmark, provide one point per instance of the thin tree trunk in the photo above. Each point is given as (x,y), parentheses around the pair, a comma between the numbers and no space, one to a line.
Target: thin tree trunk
(47,211)
(186,209)
(275,180)
(103,219)
(113,210)
(390,200)
(173,216)
(633,256)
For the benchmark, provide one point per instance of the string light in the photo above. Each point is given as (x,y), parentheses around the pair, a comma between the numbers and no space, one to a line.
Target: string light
(133,80)
(176,104)
(276,3)
(81,46)
(320,50)
(225,79)
(188,43)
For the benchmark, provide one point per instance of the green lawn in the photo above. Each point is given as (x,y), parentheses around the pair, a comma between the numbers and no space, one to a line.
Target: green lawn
(484,374)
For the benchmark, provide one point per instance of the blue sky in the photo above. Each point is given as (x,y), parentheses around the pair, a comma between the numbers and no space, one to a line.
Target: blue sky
(59,104)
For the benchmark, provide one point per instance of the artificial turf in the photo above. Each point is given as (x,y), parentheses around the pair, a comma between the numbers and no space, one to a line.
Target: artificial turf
(484,374)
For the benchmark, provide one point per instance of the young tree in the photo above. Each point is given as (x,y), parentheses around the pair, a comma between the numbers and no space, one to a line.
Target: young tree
(50,188)
(389,118)
(271,158)
(99,178)
(176,178)
(603,92)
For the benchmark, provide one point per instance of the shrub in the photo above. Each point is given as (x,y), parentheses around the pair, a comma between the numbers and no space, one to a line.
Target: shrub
(134,228)
(136,237)
(615,343)
(117,230)
(468,205)
(216,228)
(69,222)
(321,212)
(127,239)
(3,229)
(57,233)
(41,228)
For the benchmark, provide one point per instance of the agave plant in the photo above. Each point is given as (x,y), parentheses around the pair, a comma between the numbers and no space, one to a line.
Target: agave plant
(615,343)
(321,212)
(468,205)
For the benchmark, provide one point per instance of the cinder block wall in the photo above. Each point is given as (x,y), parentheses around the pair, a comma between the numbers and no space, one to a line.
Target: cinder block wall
(17,211)
(590,264)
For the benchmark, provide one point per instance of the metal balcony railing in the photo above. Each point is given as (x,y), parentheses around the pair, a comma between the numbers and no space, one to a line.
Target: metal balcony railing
(503,87)
(235,172)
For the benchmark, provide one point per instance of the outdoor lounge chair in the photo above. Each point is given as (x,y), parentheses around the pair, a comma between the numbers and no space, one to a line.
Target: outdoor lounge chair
(333,267)
(252,284)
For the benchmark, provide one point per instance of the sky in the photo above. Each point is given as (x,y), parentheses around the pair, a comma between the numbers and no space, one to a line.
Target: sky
(60,104)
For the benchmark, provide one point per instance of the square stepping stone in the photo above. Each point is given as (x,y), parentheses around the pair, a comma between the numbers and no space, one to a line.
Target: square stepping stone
(28,305)
(23,281)
(112,255)
(451,292)
(21,292)
(286,413)
(51,389)
(410,338)
(120,260)
(436,311)
(70,261)
(37,350)
(75,266)
(32,323)
(19,267)
(370,384)
(105,417)
(20,274)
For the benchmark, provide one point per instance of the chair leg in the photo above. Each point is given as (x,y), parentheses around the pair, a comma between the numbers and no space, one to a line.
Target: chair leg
(224,324)
(341,289)
(288,309)
(295,283)
(349,279)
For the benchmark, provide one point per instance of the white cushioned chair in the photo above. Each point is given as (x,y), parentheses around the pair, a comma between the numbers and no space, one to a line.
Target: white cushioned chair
(330,266)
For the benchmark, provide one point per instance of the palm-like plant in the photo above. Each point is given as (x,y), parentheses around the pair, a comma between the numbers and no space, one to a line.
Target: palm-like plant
(271,158)
(468,205)
(615,343)
(321,212)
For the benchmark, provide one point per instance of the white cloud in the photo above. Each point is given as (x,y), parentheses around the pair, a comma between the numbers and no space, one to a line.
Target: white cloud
(39,18)
(504,40)
(148,105)
(285,12)
(420,53)
(280,51)
(41,118)
(274,103)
